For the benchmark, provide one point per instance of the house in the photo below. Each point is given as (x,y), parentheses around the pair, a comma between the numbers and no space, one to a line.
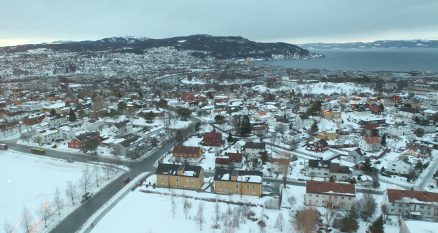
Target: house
(57,121)
(410,203)
(212,139)
(47,136)
(402,165)
(229,181)
(416,226)
(339,172)
(122,127)
(327,135)
(187,153)
(179,176)
(370,143)
(318,146)
(230,160)
(81,140)
(253,149)
(317,168)
(355,155)
(34,119)
(131,146)
(329,194)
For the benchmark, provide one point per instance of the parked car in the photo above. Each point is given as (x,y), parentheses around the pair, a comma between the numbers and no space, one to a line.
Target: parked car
(85,197)
(126,180)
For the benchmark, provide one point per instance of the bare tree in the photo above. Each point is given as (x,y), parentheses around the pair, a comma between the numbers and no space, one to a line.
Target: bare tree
(45,212)
(216,216)
(8,227)
(292,201)
(71,192)
(57,201)
(306,220)
(237,215)
(279,222)
(26,221)
(84,182)
(367,206)
(187,206)
(200,215)
(107,170)
(96,175)
(173,203)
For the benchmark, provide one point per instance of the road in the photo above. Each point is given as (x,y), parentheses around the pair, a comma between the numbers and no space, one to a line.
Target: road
(426,176)
(78,217)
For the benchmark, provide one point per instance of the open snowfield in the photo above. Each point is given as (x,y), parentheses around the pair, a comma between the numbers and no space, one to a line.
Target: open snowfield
(142,212)
(28,180)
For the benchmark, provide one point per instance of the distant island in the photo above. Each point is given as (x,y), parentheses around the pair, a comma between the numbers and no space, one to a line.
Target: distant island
(384,44)
(202,46)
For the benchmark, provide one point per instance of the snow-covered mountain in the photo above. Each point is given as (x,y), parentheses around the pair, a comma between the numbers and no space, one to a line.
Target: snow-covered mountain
(222,47)
(376,44)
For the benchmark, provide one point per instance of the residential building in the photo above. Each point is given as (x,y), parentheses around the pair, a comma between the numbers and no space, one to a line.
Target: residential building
(190,154)
(179,176)
(212,139)
(81,140)
(329,194)
(411,203)
(229,181)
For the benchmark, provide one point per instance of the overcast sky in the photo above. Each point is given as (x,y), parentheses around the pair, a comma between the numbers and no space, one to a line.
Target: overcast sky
(31,21)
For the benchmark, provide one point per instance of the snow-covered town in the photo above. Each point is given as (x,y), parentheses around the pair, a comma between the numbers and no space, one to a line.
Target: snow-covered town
(265,149)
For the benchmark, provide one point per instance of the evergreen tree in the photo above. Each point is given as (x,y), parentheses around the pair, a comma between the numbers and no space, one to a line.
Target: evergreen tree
(377,226)
(71,116)
(383,141)
(179,136)
(121,106)
(349,221)
(314,128)
(230,137)
(245,126)
(52,112)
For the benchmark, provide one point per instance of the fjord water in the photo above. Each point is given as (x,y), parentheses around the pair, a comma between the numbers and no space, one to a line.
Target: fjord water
(417,59)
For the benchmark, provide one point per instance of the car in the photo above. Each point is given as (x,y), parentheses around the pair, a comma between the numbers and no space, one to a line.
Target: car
(126,180)
(86,196)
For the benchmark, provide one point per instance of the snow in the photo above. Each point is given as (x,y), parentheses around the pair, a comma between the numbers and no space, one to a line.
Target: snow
(421,226)
(133,213)
(27,180)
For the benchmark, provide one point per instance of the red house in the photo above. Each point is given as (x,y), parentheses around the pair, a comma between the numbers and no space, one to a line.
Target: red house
(230,160)
(212,139)
(79,141)
(34,119)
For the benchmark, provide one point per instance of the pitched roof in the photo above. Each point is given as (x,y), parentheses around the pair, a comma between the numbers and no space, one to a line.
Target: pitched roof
(242,176)
(330,188)
(180,149)
(212,135)
(336,168)
(319,163)
(395,195)
(255,145)
(172,169)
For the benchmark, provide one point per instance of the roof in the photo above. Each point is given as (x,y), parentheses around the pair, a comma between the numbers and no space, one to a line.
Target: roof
(330,188)
(319,163)
(87,135)
(172,169)
(336,168)
(255,145)
(212,135)
(180,149)
(242,176)
(397,195)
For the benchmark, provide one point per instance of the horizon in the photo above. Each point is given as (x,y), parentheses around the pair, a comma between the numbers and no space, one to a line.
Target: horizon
(19,42)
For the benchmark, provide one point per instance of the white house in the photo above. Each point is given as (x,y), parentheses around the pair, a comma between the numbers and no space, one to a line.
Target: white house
(410,203)
(403,165)
(47,136)
(329,194)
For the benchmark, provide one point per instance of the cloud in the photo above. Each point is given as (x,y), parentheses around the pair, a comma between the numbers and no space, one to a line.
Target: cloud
(286,20)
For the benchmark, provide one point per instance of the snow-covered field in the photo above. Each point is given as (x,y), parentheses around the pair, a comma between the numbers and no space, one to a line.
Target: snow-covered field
(134,213)
(27,180)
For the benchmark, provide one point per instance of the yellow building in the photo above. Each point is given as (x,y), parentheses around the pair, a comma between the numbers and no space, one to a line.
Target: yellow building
(326,135)
(180,176)
(238,182)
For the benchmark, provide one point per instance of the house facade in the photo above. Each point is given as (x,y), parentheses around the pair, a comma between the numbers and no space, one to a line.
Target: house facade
(79,141)
(329,194)
(410,203)
(191,154)
(180,176)
(229,181)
